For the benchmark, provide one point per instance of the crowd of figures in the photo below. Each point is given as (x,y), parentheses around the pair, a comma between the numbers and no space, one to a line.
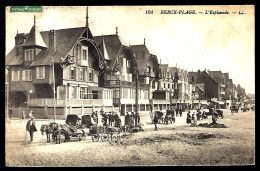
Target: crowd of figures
(131,119)
(171,114)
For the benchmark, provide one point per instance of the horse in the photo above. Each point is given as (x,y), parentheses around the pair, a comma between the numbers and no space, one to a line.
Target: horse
(56,128)
(45,128)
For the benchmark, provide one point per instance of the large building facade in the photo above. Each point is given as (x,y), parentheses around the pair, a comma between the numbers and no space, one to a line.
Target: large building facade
(65,71)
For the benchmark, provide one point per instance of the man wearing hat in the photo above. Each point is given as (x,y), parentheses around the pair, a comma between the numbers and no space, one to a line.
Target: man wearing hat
(31,127)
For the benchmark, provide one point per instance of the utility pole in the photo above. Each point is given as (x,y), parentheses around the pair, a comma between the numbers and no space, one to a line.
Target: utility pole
(136,96)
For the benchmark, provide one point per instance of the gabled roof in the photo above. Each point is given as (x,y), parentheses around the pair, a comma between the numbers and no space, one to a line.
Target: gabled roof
(164,69)
(217,75)
(111,45)
(65,40)
(201,87)
(226,77)
(34,38)
(142,56)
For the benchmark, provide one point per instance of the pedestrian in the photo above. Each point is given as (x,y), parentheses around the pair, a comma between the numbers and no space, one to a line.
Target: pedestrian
(110,119)
(194,120)
(214,119)
(10,113)
(181,112)
(173,116)
(155,121)
(135,118)
(138,117)
(188,119)
(96,115)
(105,119)
(31,127)
(117,121)
(23,115)
(31,114)
(126,118)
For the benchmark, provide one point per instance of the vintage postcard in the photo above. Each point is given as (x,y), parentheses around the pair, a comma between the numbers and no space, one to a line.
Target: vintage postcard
(130,85)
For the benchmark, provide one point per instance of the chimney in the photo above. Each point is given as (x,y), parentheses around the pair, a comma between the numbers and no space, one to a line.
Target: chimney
(116,31)
(52,40)
(144,41)
(19,40)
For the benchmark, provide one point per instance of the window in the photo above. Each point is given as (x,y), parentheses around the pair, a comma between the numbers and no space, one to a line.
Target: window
(168,85)
(72,73)
(172,86)
(83,93)
(18,75)
(78,51)
(14,76)
(163,85)
(130,77)
(29,55)
(40,72)
(128,63)
(27,75)
(81,74)
(84,54)
(90,75)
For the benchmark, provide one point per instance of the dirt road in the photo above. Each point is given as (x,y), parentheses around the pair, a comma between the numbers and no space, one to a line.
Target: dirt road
(173,144)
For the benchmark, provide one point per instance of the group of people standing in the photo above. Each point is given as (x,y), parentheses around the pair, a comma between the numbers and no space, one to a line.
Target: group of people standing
(191,119)
(109,118)
(132,119)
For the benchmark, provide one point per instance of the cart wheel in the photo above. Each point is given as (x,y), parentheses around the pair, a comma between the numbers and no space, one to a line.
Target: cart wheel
(104,137)
(118,136)
(83,135)
(113,137)
(95,137)
(80,137)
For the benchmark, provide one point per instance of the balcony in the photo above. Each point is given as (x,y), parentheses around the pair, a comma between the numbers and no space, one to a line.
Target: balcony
(222,85)
(69,102)
(82,62)
(161,101)
(112,83)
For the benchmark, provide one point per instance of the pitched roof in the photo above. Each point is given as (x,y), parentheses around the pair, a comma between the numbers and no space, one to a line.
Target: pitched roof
(164,69)
(65,40)
(201,87)
(226,77)
(34,38)
(142,56)
(109,44)
(217,75)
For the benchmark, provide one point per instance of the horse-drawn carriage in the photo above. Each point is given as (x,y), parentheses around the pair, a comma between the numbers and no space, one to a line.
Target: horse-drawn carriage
(106,133)
(245,109)
(160,116)
(234,109)
(218,113)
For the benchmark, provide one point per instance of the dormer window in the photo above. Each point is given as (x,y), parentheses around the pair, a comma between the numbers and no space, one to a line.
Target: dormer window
(28,55)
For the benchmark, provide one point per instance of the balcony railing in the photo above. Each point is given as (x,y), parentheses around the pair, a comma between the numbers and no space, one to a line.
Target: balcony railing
(69,102)
(161,101)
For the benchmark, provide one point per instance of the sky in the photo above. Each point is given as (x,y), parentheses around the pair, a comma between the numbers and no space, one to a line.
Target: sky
(190,41)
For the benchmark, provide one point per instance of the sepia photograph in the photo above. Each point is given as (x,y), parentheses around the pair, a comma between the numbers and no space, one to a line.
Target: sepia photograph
(116,86)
